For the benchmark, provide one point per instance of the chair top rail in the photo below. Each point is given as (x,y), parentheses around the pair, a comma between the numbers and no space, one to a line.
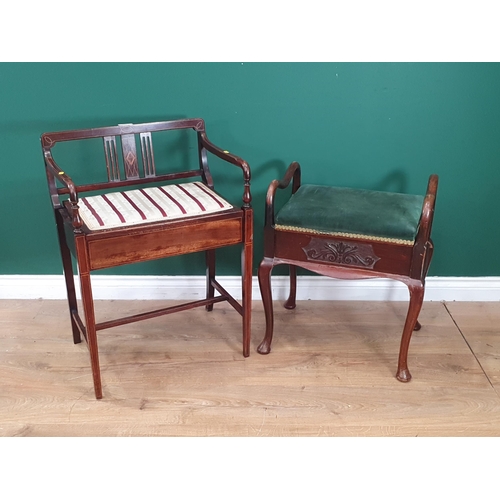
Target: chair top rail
(49,139)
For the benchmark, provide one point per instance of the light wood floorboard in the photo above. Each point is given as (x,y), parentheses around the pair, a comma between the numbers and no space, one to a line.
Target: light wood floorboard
(330,373)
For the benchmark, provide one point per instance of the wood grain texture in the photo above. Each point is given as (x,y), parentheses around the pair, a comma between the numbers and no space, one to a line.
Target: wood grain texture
(330,372)
(479,324)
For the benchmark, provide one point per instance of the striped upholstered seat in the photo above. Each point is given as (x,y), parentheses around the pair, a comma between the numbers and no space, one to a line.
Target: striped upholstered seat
(150,204)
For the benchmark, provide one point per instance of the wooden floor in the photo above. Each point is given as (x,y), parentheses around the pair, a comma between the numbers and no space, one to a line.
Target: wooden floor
(331,372)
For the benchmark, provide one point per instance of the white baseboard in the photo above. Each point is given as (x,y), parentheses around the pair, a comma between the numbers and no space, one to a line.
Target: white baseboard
(484,289)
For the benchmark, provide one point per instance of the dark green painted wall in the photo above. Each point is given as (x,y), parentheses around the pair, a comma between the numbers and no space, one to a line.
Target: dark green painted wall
(367,125)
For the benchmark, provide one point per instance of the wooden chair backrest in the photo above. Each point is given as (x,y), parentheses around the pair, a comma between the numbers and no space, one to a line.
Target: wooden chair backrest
(124,137)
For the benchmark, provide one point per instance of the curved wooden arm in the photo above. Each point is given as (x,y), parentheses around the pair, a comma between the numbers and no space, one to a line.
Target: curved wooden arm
(425,225)
(293,172)
(423,248)
(58,174)
(233,159)
(61,176)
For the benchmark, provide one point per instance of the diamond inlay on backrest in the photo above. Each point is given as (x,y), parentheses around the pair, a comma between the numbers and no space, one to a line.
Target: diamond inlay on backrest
(130,156)
(131,166)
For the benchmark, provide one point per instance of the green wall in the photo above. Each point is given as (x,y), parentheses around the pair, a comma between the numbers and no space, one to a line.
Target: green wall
(368,125)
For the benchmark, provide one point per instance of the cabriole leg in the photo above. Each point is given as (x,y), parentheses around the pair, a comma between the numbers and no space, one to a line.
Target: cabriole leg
(290,303)
(265,268)
(416,299)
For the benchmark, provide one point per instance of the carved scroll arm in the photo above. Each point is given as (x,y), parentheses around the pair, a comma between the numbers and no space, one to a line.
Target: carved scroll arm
(233,159)
(293,172)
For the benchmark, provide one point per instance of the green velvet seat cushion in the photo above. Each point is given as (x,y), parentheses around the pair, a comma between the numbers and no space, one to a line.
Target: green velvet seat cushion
(376,214)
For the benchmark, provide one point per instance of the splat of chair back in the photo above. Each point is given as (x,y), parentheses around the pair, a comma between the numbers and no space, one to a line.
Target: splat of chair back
(129,153)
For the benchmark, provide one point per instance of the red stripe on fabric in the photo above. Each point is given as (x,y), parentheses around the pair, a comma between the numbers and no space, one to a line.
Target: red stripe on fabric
(139,211)
(182,209)
(93,212)
(117,212)
(207,191)
(159,207)
(193,197)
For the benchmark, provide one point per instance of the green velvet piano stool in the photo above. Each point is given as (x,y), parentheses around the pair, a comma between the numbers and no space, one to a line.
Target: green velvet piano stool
(350,234)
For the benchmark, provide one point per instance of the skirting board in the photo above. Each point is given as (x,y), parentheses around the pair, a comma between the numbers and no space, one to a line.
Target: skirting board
(484,289)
